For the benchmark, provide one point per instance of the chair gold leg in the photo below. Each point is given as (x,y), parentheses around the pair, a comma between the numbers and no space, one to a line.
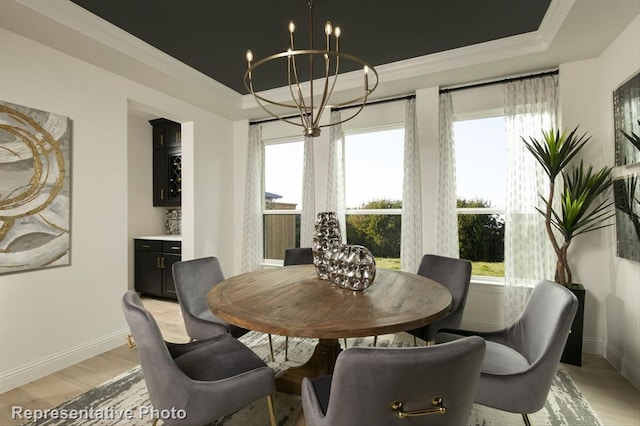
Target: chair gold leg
(272,413)
(155,422)
(286,348)
(375,341)
(271,349)
(525,417)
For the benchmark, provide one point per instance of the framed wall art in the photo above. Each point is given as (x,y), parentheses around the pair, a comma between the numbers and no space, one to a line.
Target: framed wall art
(35,159)
(626,121)
(626,193)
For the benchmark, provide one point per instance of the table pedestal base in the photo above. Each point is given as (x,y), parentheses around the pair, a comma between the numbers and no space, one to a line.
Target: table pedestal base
(321,363)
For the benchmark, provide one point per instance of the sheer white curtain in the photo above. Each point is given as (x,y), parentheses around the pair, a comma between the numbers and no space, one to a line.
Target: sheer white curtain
(335,178)
(530,108)
(308,215)
(447,226)
(253,199)
(411,229)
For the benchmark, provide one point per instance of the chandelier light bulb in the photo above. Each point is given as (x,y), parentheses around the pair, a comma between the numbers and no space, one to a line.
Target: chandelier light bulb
(249,56)
(337,31)
(292,27)
(328,29)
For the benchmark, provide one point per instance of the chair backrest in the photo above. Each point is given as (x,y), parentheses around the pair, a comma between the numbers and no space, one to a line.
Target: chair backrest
(455,275)
(165,382)
(366,381)
(193,280)
(298,256)
(541,331)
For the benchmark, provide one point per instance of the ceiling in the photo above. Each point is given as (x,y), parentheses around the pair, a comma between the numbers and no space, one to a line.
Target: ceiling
(213,36)
(193,50)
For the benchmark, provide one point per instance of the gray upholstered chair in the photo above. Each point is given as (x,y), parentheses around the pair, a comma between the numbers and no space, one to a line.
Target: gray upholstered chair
(206,378)
(374,386)
(455,275)
(521,360)
(298,256)
(193,280)
(295,256)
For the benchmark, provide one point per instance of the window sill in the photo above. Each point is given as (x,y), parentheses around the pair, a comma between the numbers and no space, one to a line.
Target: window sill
(493,285)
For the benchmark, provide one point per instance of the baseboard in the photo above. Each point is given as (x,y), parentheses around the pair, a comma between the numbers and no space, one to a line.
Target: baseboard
(592,346)
(627,369)
(34,370)
(478,324)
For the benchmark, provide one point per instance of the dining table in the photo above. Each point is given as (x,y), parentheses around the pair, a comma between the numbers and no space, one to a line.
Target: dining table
(293,301)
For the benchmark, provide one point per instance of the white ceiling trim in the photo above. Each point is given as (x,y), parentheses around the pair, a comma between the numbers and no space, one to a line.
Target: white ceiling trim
(481,53)
(552,21)
(79,19)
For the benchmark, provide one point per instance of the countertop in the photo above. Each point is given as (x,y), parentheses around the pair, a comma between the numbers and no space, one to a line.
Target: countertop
(161,237)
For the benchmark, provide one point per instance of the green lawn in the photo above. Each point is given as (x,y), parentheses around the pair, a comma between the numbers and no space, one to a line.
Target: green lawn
(387,263)
(487,269)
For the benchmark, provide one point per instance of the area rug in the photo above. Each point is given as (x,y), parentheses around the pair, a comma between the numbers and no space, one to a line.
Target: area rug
(124,401)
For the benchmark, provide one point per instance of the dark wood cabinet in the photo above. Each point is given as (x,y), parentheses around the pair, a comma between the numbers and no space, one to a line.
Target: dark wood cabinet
(167,163)
(153,261)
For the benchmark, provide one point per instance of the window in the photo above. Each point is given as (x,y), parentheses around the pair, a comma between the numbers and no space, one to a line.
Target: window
(373,192)
(481,164)
(283,162)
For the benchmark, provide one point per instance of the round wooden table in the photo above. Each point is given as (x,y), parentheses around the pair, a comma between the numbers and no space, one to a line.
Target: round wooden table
(292,301)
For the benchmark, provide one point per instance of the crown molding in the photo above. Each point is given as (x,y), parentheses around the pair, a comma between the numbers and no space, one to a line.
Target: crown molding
(552,21)
(86,23)
(131,48)
(477,54)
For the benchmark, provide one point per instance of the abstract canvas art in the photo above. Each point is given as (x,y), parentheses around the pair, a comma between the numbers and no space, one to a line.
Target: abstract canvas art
(626,192)
(626,121)
(35,194)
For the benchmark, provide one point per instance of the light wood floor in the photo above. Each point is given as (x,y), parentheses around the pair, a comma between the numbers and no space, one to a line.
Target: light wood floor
(613,398)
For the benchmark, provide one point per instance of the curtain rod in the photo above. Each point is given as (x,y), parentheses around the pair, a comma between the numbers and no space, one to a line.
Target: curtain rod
(381,101)
(502,81)
(269,120)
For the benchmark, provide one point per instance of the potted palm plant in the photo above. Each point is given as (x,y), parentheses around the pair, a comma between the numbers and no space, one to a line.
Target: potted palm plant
(581,209)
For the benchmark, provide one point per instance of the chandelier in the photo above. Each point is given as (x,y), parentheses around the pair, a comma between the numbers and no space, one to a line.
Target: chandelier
(306,111)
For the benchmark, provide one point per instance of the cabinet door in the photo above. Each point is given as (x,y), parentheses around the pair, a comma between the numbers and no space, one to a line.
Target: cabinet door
(167,177)
(174,176)
(166,133)
(148,273)
(169,286)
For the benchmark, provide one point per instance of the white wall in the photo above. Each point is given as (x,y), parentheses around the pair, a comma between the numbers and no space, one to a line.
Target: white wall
(52,318)
(622,286)
(612,312)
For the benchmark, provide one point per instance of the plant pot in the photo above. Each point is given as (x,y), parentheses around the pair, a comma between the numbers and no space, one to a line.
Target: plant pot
(572,353)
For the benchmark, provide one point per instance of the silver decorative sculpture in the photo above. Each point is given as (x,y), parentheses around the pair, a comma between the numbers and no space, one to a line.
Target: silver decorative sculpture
(326,240)
(173,221)
(347,266)
(352,267)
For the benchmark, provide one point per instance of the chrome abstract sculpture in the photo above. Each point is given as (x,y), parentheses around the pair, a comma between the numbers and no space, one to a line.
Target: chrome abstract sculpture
(352,267)
(326,240)
(348,266)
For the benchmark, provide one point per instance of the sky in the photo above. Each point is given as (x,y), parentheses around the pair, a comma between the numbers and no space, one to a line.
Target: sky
(373,164)
(481,142)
